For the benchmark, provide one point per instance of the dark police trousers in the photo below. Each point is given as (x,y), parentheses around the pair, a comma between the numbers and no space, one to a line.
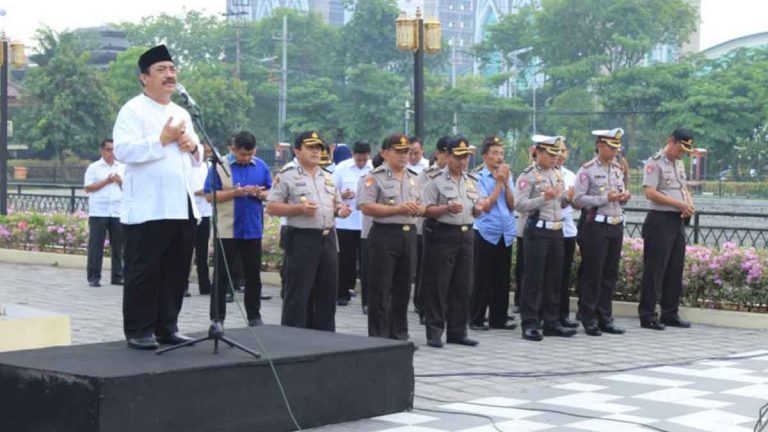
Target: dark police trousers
(98,227)
(663,261)
(569,249)
(311,278)
(158,257)
(447,278)
(419,265)
(600,246)
(349,256)
(519,266)
(391,249)
(540,296)
(491,284)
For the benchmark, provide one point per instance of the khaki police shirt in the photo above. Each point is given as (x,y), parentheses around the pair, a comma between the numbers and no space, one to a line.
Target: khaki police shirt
(529,194)
(667,177)
(295,186)
(594,181)
(421,181)
(381,186)
(442,189)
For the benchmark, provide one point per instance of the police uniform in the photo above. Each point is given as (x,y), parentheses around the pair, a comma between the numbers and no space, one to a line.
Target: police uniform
(600,236)
(311,275)
(543,240)
(664,239)
(392,246)
(448,251)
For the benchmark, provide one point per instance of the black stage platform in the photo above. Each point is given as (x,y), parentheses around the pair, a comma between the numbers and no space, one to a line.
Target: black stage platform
(106,387)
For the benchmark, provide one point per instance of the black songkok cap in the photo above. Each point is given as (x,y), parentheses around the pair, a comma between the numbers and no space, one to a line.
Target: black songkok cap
(442,144)
(154,55)
(361,147)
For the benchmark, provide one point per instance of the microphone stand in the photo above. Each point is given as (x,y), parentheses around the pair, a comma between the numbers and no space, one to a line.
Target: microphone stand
(216,330)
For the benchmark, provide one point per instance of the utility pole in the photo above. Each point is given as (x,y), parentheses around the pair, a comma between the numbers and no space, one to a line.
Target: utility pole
(418,77)
(283,98)
(4,127)
(406,113)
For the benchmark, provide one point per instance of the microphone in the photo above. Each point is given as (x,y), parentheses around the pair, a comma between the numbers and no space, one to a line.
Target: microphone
(188,101)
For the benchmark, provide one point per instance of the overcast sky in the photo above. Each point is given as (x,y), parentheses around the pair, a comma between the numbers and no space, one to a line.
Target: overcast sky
(721,19)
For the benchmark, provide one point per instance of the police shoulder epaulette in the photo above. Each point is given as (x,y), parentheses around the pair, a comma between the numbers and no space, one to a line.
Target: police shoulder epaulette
(378,169)
(588,164)
(478,168)
(287,167)
(528,169)
(616,164)
(412,172)
(435,174)
(471,174)
(657,156)
(326,172)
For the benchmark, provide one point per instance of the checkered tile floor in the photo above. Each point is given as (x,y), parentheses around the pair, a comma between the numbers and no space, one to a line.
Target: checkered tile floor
(712,396)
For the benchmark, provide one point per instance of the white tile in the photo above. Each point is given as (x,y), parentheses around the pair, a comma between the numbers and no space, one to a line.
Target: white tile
(631,418)
(728,374)
(411,428)
(581,387)
(606,426)
(590,401)
(710,420)
(500,401)
(718,363)
(640,379)
(509,413)
(749,354)
(511,425)
(672,395)
(406,418)
(759,391)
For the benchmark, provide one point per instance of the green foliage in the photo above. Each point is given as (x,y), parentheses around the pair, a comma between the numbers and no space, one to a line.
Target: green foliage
(123,74)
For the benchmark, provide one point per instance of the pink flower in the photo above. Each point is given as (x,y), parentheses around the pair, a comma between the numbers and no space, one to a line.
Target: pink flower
(22,225)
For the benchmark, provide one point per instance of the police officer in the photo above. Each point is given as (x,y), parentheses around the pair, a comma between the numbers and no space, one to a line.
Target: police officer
(670,203)
(440,158)
(540,194)
(390,195)
(600,193)
(452,202)
(307,197)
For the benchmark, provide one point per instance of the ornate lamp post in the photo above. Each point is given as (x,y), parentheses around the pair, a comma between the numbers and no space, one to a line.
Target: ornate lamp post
(420,36)
(13,53)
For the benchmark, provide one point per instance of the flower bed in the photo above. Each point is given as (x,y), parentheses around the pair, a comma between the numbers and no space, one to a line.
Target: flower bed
(730,278)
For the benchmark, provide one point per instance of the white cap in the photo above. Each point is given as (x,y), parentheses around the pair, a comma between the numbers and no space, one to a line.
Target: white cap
(547,140)
(612,133)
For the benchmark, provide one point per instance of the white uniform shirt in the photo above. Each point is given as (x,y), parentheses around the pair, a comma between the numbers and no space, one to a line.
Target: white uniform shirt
(419,167)
(347,176)
(199,175)
(569,181)
(105,202)
(158,179)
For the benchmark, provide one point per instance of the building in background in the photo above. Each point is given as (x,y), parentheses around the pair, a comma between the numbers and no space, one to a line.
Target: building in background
(332,11)
(756,40)
(104,44)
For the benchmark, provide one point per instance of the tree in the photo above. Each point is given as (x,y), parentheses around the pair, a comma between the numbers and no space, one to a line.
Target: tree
(67,103)
(123,74)
(369,37)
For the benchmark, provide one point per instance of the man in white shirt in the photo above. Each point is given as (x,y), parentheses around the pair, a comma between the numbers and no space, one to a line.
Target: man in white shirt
(569,238)
(416,160)
(104,183)
(347,176)
(155,140)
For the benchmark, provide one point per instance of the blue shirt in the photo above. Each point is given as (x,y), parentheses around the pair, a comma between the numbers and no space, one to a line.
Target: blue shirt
(500,221)
(247,211)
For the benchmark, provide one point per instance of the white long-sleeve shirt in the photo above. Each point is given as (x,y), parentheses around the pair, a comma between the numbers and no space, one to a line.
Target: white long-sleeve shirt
(105,202)
(158,179)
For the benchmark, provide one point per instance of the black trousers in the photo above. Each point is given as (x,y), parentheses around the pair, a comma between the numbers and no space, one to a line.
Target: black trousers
(349,256)
(283,264)
(158,257)
(365,270)
(663,261)
(202,236)
(418,302)
(311,279)
(543,271)
(447,281)
(491,287)
(98,227)
(391,251)
(600,245)
(569,249)
(248,252)
(519,266)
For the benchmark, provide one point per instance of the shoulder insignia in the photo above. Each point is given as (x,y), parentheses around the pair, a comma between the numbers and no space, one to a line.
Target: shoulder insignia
(527,170)
(287,168)
(478,168)
(378,169)
(412,172)
(369,181)
(588,164)
(657,156)
(471,174)
(435,174)
(327,173)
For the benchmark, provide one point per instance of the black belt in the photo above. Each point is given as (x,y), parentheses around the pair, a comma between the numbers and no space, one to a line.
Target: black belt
(451,227)
(321,231)
(395,226)
(666,212)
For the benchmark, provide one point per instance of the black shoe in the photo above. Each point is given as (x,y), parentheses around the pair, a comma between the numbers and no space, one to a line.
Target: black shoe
(94,284)
(467,341)
(592,329)
(567,323)
(255,322)
(174,339)
(506,326)
(342,302)
(240,288)
(143,343)
(365,310)
(435,343)
(229,298)
(479,327)
(676,322)
(611,328)
(652,324)
(532,334)
(187,294)
(266,297)
(116,282)
(559,331)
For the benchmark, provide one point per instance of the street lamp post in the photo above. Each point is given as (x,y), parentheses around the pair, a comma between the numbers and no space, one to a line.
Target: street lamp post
(14,56)
(420,36)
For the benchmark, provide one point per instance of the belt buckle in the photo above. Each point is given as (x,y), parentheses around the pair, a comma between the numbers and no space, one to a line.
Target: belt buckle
(326,231)
(557,225)
(464,228)
(615,220)
(406,228)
